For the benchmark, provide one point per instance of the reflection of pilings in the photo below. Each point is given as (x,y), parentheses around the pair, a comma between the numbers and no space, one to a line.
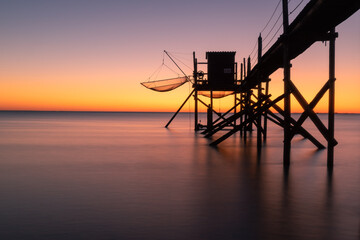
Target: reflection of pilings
(286,200)
(329,193)
(328,205)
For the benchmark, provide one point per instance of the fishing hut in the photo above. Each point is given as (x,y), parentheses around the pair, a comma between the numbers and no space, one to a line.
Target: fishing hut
(219,81)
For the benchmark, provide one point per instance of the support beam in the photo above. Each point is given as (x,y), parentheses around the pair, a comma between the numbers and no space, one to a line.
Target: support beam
(224,123)
(311,106)
(250,113)
(228,134)
(235,104)
(315,119)
(265,114)
(210,112)
(264,108)
(182,105)
(301,130)
(237,128)
(251,118)
(220,116)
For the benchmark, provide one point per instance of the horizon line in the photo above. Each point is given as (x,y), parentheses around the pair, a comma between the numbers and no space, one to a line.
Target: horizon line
(98,111)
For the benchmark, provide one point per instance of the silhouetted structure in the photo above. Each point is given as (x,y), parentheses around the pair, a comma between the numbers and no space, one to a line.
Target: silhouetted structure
(316,22)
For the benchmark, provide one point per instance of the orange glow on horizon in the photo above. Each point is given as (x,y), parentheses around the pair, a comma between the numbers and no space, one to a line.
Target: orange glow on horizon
(100,69)
(65,94)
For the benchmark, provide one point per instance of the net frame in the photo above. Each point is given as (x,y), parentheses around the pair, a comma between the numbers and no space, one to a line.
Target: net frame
(165,85)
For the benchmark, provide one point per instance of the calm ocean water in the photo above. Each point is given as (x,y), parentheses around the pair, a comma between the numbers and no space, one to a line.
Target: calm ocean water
(124,176)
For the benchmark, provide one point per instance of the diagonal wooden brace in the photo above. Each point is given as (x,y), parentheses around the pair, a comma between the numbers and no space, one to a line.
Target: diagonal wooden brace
(301,130)
(179,108)
(311,106)
(316,120)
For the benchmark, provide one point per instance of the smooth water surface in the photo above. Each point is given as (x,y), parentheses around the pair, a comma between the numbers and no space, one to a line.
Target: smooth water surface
(124,176)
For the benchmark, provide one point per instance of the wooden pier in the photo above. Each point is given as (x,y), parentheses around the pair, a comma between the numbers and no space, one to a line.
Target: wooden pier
(253,105)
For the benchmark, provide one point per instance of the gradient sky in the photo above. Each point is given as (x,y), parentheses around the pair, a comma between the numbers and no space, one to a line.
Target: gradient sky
(93,54)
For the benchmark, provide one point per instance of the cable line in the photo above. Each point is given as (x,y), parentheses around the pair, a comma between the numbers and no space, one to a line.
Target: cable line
(273,36)
(253,49)
(271,16)
(277,20)
(296,7)
(180,61)
(156,71)
(171,69)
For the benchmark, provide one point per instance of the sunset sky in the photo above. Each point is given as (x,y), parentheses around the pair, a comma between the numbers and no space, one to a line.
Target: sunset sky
(91,55)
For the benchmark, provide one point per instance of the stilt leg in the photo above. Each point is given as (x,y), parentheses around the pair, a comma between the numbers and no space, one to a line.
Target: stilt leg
(331,120)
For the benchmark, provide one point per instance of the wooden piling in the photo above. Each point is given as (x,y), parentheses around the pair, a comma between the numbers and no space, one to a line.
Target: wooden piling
(287,88)
(265,114)
(250,112)
(244,68)
(331,116)
(245,104)
(235,104)
(195,94)
(258,120)
(210,111)
(241,98)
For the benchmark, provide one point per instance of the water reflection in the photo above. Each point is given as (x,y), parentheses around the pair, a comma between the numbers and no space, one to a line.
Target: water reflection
(124,177)
(251,195)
